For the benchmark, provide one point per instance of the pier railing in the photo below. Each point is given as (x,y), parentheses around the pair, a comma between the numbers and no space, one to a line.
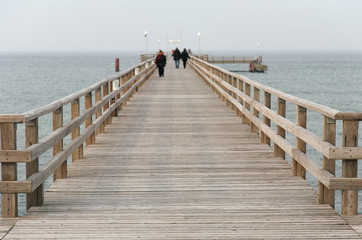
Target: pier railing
(102,101)
(243,96)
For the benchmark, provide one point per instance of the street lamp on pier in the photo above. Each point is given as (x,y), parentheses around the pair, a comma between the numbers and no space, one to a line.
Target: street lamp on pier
(145,34)
(159,44)
(199,35)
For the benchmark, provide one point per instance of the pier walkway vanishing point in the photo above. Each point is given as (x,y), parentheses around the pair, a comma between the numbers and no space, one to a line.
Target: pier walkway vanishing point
(176,163)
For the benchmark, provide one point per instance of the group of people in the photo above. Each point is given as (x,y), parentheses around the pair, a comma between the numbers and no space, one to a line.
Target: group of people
(177,56)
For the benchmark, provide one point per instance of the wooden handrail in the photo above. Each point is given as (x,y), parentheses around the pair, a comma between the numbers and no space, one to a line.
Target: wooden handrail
(249,109)
(110,104)
(38,112)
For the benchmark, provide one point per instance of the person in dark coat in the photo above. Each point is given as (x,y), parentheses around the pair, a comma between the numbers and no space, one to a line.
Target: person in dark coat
(184,56)
(176,57)
(161,63)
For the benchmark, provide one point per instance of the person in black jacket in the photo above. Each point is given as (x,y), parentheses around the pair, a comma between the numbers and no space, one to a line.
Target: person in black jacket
(184,56)
(161,63)
(176,57)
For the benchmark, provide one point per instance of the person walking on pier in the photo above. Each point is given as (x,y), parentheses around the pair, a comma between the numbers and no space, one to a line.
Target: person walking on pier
(176,57)
(161,63)
(184,56)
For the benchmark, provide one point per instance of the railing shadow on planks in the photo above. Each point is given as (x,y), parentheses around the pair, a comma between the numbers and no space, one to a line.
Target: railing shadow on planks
(110,95)
(243,96)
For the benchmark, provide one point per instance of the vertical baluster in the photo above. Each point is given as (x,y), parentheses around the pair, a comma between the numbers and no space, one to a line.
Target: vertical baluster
(329,134)
(281,108)
(88,122)
(97,99)
(245,120)
(226,80)
(256,97)
(349,168)
(235,85)
(299,170)
(61,171)
(122,82)
(31,137)
(113,100)
(106,106)
(241,88)
(75,111)
(222,74)
(9,201)
(267,103)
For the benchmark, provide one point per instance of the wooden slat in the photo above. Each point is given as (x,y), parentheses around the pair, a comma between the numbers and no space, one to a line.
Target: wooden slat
(15,156)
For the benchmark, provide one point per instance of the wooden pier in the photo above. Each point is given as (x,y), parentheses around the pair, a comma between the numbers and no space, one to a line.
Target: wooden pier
(164,158)
(255,65)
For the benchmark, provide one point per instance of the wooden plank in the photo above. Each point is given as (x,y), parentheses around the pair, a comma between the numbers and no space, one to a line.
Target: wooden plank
(12,156)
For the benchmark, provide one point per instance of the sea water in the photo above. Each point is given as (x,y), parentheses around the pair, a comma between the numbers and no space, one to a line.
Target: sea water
(31,80)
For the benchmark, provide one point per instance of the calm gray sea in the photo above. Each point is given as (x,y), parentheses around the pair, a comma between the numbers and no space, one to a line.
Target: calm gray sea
(30,80)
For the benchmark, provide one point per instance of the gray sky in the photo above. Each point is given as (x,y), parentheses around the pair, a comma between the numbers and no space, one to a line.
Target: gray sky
(106,25)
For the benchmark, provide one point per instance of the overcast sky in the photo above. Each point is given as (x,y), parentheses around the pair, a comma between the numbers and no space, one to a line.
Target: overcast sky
(107,25)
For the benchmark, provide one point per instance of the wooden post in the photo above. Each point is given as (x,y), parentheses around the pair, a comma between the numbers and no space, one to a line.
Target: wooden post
(117,65)
(61,171)
(326,195)
(219,74)
(226,80)
(281,108)
(128,77)
(122,82)
(241,88)
(98,98)
(299,170)
(267,103)
(245,120)
(222,79)
(9,201)
(31,137)
(113,100)
(75,110)
(251,67)
(349,168)
(88,122)
(106,106)
(235,85)
(256,97)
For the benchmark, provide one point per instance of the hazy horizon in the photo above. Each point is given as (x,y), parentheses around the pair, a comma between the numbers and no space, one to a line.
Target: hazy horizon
(239,25)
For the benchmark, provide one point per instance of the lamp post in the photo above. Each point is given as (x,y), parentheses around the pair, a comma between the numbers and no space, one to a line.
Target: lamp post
(199,35)
(145,34)
(159,44)
(258,48)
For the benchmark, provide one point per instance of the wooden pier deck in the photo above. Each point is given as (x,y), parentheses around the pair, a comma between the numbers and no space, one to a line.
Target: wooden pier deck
(178,164)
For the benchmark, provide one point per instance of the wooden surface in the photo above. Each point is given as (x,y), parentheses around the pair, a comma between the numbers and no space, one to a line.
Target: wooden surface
(178,164)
